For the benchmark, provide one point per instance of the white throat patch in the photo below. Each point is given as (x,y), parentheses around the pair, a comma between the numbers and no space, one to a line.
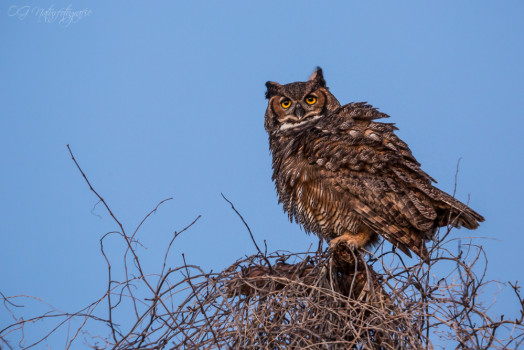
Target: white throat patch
(287,126)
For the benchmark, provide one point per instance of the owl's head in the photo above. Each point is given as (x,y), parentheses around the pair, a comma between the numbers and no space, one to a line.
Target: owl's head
(294,104)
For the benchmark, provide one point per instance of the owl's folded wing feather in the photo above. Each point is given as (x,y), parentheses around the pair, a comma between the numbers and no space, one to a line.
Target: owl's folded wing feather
(382,179)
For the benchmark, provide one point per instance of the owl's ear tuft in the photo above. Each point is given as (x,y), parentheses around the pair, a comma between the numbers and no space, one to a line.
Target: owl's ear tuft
(318,77)
(272,89)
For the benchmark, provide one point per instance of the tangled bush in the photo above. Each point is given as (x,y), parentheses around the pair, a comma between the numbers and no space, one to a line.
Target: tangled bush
(336,298)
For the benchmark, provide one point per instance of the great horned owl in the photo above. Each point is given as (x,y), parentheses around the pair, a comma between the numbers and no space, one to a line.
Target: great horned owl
(343,176)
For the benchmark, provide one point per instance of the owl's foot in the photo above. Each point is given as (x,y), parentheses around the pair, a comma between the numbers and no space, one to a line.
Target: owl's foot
(353,242)
(345,250)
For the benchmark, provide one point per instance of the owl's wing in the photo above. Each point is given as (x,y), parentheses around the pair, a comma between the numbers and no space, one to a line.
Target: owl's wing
(381,178)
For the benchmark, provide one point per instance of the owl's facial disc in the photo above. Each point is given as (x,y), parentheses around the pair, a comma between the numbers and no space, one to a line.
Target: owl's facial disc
(295,104)
(297,109)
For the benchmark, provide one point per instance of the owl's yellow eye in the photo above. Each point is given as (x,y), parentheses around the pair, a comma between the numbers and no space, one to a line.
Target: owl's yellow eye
(285,104)
(311,100)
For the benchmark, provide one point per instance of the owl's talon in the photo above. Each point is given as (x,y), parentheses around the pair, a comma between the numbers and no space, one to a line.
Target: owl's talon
(347,240)
(352,246)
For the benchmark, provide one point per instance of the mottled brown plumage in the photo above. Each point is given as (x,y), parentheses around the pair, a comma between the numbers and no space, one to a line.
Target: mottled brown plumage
(344,176)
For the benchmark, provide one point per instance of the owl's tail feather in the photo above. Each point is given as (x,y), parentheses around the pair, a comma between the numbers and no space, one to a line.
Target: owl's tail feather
(450,211)
(420,250)
(458,214)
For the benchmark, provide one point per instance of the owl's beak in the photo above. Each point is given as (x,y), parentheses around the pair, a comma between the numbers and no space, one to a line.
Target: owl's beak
(299,111)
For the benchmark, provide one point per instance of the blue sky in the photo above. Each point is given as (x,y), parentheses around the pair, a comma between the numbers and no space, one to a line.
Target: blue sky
(166,99)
